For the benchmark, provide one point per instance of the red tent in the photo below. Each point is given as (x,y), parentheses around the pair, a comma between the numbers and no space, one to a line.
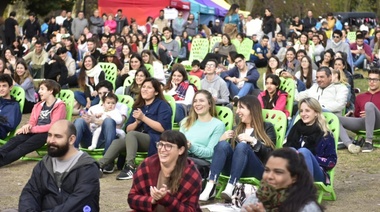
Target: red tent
(180,5)
(138,9)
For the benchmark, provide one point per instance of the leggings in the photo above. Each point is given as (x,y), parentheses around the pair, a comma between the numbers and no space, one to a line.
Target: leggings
(369,123)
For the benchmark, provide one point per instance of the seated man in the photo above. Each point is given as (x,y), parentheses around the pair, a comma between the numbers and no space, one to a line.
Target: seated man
(108,133)
(261,52)
(10,114)
(360,51)
(366,115)
(214,84)
(36,60)
(66,179)
(168,48)
(242,79)
(332,97)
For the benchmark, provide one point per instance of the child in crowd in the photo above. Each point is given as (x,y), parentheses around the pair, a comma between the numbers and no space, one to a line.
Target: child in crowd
(107,110)
(196,70)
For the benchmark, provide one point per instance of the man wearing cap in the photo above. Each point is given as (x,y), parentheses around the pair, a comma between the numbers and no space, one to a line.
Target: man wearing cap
(31,27)
(217,27)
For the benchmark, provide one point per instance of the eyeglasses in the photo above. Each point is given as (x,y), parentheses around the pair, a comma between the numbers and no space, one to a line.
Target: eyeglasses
(210,65)
(237,62)
(373,79)
(336,36)
(167,147)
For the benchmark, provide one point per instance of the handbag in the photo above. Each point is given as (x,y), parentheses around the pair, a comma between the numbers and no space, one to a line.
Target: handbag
(241,192)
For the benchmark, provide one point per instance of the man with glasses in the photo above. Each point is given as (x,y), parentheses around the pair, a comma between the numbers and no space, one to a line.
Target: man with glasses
(338,45)
(108,133)
(215,84)
(179,25)
(366,115)
(242,79)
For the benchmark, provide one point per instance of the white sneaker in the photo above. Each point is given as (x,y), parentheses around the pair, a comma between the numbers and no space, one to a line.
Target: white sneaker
(91,148)
(354,149)
(227,193)
(208,193)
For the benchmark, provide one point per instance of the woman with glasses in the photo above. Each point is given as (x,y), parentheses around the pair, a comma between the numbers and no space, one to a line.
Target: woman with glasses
(150,117)
(167,181)
(250,145)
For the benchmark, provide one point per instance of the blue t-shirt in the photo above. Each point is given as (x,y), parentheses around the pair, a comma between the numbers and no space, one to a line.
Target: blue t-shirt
(258,49)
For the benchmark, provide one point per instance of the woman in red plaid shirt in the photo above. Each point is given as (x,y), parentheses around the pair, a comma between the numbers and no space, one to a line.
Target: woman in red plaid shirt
(167,181)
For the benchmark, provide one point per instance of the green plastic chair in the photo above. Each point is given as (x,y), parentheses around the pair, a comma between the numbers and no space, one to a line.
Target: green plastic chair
(195,81)
(245,48)
(279,122)
(110,70)
(150,69)
(125,99)
(19,95)
(214,40)
(226,115)
(128,81)
(327,192)
(376,137)
(199,49)
(288,85)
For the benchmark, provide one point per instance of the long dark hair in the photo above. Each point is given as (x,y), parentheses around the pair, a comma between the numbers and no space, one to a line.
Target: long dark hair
(269,70)
(302,191)
(180,140)
(309,77)
(134,87)
(140,102)
(150,41)
(137,56)
(181,69)
(269,101)
(232,9)
(82,73)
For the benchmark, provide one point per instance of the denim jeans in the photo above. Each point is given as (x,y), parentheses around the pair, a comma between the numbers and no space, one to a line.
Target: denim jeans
(359,61)
(312,165)
(84,135)
(180,112)
(235,91)
(81,99)
(241,162)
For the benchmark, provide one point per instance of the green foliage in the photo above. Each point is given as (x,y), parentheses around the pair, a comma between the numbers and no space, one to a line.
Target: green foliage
(43,7)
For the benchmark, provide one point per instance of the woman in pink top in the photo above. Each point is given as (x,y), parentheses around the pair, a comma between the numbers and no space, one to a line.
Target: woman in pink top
(110,23)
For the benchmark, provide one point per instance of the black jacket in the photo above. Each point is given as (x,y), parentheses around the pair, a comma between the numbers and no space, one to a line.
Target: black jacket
(31,29)
(78,191)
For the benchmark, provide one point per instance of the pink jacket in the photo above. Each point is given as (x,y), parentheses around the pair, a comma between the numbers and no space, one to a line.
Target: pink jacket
(280,103)
(111,24)
(58,112)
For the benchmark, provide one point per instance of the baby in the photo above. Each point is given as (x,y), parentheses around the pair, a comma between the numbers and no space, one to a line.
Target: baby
(106,111)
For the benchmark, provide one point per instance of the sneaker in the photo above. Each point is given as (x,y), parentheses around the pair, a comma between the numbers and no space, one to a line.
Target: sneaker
(226,196)
(126,173)
(367,147)
(208,193)
(354,149)
(235,100)
(341,145)
(359,142)
(109,168)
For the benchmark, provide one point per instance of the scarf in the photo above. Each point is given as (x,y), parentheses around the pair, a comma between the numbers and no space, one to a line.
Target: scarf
(270,197)
(181,90)
(94,72)
(302,135)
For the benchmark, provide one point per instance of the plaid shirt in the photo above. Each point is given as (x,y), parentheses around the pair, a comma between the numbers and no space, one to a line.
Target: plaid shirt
(186,198)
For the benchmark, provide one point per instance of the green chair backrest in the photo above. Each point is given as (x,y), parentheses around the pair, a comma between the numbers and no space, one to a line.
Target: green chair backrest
(128,81)
(288,85)
(279,122)
(110,70)
(195,81)
(19,95)
(172,104)
(199,49)
(150,69)
(214,40)
(226,115)
(67,96)
(128,100)
(245,48)
(236,43)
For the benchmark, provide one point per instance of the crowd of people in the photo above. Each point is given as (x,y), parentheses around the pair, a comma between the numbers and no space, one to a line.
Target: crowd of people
(64,52)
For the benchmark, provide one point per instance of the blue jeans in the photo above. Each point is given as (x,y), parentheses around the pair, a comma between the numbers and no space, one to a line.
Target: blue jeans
(84,135)
(81,99)
(359,61)
(241,162)
(180,112)
(312,165)
(235,91)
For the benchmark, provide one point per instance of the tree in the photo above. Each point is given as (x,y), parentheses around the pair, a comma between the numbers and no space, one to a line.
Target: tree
(40,7)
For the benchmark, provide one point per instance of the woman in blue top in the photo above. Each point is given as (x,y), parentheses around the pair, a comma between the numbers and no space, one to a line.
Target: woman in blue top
(150,117)
(202,129)
(232,21)
(312,138)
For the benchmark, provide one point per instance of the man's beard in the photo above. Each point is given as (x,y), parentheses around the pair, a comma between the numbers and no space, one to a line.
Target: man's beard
(57,150)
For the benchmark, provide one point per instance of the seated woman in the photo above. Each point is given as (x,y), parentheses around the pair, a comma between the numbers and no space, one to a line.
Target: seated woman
(135,62)
(134,89)
(251,142)
(180,88)
(220,51)
(167,181)
(273,97)
(327,59)
(342,65)
(312,138)
(273,65)
(89,76)
(33,135)
(151,116)
(289,65)
(158,69)
(306,73)
(295,185)
(202,129)
(23,79)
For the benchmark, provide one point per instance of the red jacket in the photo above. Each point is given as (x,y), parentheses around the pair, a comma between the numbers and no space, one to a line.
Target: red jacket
(186,198)
(280,103)
(58,112)
(364,98)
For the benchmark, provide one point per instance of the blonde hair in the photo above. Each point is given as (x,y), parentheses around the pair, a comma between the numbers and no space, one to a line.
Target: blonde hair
(193,116)
(314,105)
(341,76)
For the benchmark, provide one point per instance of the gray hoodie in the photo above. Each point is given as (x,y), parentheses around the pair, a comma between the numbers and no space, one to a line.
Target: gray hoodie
(217,87)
